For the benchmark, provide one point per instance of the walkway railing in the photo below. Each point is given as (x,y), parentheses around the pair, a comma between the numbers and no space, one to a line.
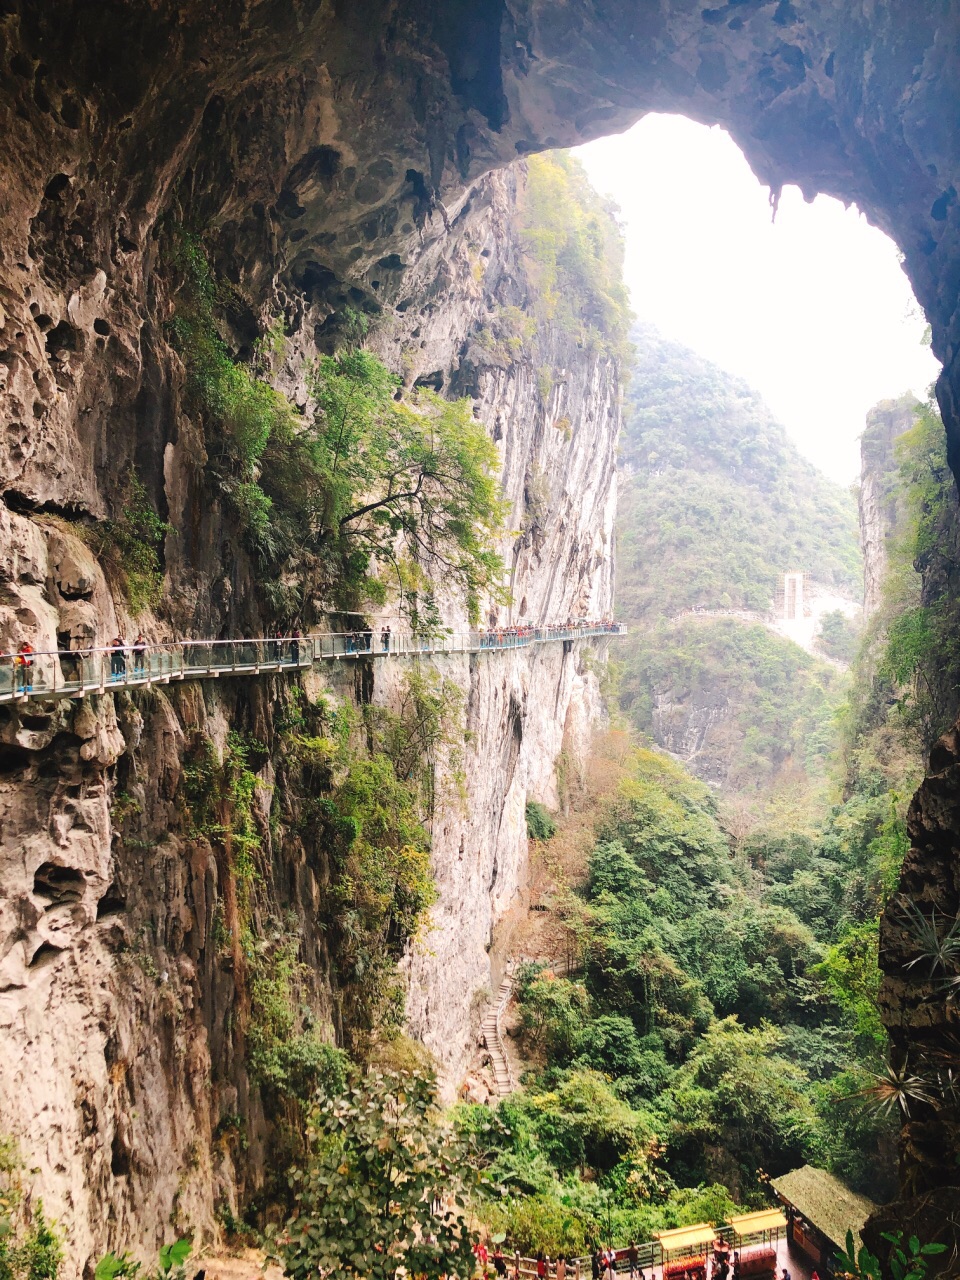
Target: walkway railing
(73,673)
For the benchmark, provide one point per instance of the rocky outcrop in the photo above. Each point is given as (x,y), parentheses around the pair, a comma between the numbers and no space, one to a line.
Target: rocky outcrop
(123,1068)
(878,490)
(693,726)
(920,1012)
(320,144)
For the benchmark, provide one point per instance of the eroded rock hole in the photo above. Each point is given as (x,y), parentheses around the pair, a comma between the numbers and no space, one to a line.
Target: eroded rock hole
(35,724)
(13,759)
(55,188)
(119,1158)
(112,903)
(59,884)
(44,955)
(63,339)
(71,112)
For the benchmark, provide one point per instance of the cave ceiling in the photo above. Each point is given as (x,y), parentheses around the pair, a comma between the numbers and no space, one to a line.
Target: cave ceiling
(318,141)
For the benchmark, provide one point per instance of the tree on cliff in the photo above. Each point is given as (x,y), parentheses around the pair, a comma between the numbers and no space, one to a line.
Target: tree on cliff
(369,478)
(373,479)
(384,1186)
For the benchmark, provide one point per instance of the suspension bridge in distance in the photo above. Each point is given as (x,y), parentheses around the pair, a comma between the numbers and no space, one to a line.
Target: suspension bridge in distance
(79,673)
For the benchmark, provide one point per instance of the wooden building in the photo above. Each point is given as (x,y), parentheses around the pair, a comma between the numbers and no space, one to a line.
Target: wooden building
(820,1211)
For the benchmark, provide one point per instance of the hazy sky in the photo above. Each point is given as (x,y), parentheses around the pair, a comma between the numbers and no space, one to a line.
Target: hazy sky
(813,310)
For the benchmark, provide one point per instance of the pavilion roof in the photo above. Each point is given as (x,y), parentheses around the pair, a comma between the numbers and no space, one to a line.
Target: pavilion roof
(752,1224)
(825,1202)
(683,1238)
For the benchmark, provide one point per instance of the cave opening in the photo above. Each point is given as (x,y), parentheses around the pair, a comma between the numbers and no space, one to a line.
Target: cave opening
(807,301)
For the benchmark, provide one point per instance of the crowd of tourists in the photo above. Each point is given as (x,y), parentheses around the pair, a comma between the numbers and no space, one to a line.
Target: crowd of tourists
(503,637)
(605,1264)
(284,648)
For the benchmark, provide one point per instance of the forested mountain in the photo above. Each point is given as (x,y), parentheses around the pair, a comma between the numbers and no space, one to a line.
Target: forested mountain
(716,505)
(717,502)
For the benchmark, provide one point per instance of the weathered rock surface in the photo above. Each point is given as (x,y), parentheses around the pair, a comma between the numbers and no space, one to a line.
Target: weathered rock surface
(122,1067)
(877,496)
(921,1020)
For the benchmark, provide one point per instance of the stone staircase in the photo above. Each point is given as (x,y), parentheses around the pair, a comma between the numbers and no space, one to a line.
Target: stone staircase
(492,1038)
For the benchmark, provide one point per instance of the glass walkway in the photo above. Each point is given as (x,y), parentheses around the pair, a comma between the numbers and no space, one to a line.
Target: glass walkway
(75,673)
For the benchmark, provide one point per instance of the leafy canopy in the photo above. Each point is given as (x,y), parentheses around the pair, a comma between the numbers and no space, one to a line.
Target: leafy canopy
(385,1185)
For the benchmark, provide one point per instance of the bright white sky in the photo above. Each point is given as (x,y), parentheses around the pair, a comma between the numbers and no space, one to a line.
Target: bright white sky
(813,310)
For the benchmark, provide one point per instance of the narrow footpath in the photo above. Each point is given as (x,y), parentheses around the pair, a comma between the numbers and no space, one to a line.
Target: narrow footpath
(493,1038)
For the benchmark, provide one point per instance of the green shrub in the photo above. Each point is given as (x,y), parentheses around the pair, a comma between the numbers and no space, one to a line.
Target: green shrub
(540,825)
(285,1053)
(30,1249)
(362,478)
(385,1180)
(131,545)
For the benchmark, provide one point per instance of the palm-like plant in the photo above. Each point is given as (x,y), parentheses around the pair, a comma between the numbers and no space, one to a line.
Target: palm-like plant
(934,944)
(897,1087)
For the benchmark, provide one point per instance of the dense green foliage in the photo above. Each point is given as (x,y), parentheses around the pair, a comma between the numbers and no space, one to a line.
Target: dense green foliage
(721,1019)
(718,503)
(130,545)
(365,491)
(540,825)
(384,1185)
(362,785)
(574,252)
(30,1248)
(171,1264)
(912,656)
(839,637)
(779,703)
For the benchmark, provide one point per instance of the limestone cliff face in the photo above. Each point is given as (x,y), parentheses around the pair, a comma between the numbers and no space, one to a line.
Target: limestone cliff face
(919,1016)
(877,497)
(122,1066)
(695,728)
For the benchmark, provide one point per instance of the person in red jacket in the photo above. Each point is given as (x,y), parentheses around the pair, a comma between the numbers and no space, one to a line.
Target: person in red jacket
(24,667)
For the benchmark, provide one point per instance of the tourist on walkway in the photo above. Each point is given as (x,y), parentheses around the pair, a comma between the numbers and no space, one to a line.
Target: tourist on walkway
(633,1257)
(499,1266)
(118,660)
(596,1264)
(139,653)
(385,639)
(562,1267)
(295,646)
(541,1266)
(23,665)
